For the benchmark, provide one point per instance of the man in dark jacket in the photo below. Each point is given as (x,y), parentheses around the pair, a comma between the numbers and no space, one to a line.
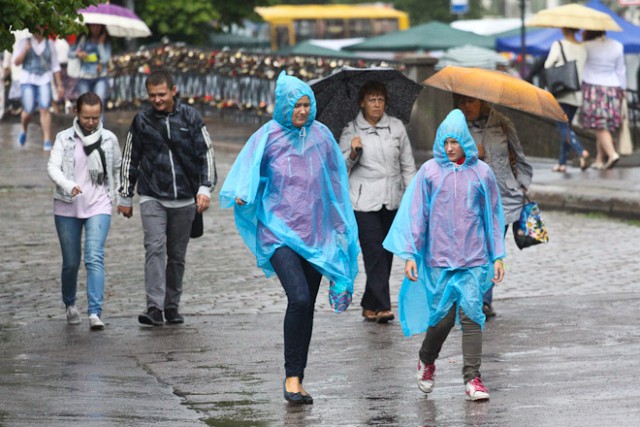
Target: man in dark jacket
(168,154)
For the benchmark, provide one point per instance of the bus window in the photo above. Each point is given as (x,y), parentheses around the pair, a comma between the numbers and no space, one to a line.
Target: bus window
(306,29)
(335,29)
(360,28)
(384,26)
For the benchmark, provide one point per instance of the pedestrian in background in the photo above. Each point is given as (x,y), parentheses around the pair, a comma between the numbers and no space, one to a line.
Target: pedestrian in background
(449,229)
(380,163)
(5,72)
(290,193)
(39,61)
(603,84)
(85,166)
(569,49)
(499,146)
(169,155)
(94,51)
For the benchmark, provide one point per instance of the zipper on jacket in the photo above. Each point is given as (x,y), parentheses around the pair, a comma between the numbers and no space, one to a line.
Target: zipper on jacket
(173,168)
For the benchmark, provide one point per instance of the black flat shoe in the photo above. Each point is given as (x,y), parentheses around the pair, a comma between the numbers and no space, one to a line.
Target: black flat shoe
(487,309)
(295,398)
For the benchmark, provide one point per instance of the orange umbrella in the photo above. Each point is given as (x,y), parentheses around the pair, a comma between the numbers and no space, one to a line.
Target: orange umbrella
(498,88)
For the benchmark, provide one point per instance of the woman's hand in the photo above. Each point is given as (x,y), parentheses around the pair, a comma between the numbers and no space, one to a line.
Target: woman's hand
(75,191)
(411,270)
(356,147)
(240,202)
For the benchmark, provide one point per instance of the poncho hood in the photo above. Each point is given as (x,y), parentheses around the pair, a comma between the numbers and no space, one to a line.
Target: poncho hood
(288,91)
(455,126)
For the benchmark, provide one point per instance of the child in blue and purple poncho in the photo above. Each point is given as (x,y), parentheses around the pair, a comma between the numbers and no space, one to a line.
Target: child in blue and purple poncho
(450,230)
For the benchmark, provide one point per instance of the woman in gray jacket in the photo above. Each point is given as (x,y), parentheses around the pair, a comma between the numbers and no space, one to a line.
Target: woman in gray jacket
(498,146)
(380,163)
(85,166)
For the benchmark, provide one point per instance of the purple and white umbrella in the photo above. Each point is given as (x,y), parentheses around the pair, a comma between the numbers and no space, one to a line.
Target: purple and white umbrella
(120,21)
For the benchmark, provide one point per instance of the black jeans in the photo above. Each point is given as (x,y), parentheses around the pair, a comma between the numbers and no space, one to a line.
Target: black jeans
(301,282)
(372,229)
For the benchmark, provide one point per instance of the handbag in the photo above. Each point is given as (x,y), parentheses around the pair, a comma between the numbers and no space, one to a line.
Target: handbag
(197,226)
(529,230)
(562,78)
(73,67)
(73,64)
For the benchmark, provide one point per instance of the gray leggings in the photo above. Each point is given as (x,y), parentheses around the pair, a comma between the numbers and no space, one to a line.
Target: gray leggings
(471,343)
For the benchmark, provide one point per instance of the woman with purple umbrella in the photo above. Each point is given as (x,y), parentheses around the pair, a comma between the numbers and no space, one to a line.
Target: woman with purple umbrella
(94,52)
(290,194)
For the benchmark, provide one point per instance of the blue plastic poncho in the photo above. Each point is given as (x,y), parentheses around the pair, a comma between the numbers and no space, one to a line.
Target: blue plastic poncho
(295,185)
(450,222)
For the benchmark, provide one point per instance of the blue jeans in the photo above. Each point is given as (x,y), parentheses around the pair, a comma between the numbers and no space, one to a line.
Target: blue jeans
(99,86)
(35,96)
(572,140)
(301,282)
(70,235)
(487,298)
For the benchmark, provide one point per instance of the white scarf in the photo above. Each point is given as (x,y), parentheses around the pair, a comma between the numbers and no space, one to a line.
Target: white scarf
(95,154)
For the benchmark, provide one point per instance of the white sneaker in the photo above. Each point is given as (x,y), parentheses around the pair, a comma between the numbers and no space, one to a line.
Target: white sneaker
(73,316)
(95,323)
(476,390)
(425,376)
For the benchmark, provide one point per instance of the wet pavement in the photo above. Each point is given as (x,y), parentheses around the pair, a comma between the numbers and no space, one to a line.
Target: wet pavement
(563,350)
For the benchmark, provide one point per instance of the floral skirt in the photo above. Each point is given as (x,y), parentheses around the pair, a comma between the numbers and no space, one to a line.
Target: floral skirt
(601,107)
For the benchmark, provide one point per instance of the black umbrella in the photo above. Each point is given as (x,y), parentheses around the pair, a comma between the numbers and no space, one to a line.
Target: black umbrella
(337,95)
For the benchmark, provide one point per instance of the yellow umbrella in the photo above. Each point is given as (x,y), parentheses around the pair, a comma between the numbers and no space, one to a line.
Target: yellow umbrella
(498,88)
(574,16)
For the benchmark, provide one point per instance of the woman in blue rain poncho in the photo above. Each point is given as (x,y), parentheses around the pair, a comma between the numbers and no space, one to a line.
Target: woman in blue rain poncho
(449,229)
(290,191)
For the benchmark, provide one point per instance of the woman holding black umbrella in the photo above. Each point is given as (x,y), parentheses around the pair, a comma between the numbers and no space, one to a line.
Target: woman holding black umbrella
(380,162)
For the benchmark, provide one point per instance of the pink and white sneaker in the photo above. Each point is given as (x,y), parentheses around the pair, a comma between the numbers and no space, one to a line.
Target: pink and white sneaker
(425,376)
(476,390)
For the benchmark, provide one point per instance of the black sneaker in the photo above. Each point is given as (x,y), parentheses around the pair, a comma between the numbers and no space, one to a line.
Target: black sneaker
(153,316)
(487,309)
(172,316)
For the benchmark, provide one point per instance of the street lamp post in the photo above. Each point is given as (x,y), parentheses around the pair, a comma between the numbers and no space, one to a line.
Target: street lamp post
(523,44)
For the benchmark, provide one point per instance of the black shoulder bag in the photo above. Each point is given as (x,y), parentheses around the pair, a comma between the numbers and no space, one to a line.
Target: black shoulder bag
(563,78)
(197,226)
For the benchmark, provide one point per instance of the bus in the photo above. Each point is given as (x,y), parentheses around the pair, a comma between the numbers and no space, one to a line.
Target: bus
(291,24)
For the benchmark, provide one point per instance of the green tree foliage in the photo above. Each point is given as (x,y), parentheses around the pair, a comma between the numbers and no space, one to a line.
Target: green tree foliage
(54,16)
(191,21)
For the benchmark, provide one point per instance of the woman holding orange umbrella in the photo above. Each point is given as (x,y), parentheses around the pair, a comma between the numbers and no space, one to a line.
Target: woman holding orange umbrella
(499,146)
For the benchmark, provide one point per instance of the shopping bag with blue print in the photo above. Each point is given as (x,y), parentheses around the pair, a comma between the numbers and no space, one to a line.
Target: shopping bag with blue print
(529,230)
